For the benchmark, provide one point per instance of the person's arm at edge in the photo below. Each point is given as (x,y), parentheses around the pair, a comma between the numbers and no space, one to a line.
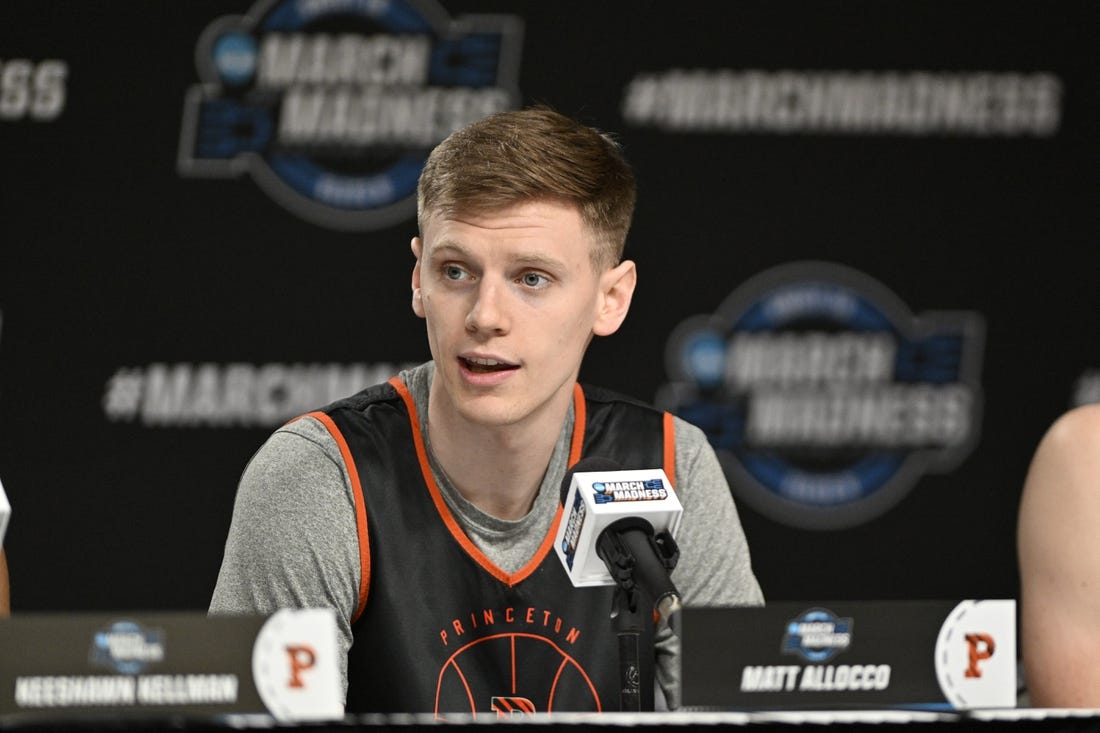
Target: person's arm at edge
(1059,560)
(5,587)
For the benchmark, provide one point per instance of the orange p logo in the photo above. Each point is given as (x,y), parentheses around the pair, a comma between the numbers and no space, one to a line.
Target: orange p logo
(510,705)
(301,659)
(981,648)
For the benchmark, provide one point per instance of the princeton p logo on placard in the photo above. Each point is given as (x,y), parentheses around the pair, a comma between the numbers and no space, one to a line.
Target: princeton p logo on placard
(302,658)
(976,655)
(294,665)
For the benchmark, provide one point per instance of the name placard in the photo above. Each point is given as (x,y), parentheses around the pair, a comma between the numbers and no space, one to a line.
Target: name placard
(149,664)
(954,655)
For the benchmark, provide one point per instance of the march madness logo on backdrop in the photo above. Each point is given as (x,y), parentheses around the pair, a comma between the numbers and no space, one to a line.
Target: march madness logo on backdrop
(332,106)
(824,396)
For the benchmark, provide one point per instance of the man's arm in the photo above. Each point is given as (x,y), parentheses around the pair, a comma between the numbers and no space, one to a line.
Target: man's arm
(292,541)
(1059,559)
(715,567)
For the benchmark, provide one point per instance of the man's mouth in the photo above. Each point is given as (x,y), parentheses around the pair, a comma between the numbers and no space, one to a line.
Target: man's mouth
(480,365)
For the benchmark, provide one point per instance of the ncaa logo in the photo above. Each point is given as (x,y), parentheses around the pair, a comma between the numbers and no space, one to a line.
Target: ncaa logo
(824,396)
(332,106)
(127,647)
(817,635)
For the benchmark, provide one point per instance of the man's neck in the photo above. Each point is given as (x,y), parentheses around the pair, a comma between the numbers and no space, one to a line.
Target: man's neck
(498,469)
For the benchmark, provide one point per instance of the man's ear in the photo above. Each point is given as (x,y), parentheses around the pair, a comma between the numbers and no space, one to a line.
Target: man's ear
(417,301)
(616,290)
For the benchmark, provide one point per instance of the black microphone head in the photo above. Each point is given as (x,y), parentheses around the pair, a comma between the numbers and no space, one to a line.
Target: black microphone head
(585,465)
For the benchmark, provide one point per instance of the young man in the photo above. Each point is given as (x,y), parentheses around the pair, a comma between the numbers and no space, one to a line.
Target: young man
(424,510)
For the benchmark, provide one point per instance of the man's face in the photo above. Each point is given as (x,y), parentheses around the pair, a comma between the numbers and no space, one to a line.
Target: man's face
(511,301)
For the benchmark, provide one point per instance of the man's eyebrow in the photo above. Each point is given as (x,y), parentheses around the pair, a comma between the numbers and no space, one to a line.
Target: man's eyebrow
(451,248)
(537,259)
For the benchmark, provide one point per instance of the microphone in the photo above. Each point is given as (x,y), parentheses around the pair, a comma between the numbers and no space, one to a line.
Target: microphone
(617,528)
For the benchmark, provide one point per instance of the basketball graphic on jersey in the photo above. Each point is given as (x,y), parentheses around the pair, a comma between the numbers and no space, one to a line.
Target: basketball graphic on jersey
(535,676)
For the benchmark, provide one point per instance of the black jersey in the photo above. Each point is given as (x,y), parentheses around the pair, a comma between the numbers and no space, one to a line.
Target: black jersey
(440,628)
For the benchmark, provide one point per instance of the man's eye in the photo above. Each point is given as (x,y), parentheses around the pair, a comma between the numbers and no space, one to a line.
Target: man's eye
(452,272)
(534,279)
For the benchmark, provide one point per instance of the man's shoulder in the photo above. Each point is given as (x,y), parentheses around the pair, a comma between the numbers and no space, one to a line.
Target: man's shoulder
(376,393)
(603,395)
(414,381)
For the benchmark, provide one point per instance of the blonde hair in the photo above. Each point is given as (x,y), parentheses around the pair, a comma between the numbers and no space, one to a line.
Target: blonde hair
(531,154)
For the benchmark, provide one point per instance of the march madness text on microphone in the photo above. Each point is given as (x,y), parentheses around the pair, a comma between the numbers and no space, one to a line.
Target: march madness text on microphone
(597,493)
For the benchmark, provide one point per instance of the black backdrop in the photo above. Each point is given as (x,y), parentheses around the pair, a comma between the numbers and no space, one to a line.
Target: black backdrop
(117,271)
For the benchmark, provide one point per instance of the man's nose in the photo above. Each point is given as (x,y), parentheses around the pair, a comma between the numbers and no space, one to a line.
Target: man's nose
(489,312)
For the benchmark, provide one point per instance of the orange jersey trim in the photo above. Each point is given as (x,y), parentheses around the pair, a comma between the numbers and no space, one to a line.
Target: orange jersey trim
(576,443)
(580,413)
(670,448)
(449,520)
(437,496)
(360,510)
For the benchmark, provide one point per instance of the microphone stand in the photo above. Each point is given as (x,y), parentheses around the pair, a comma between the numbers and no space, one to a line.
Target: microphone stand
(626,620)
(614,547)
